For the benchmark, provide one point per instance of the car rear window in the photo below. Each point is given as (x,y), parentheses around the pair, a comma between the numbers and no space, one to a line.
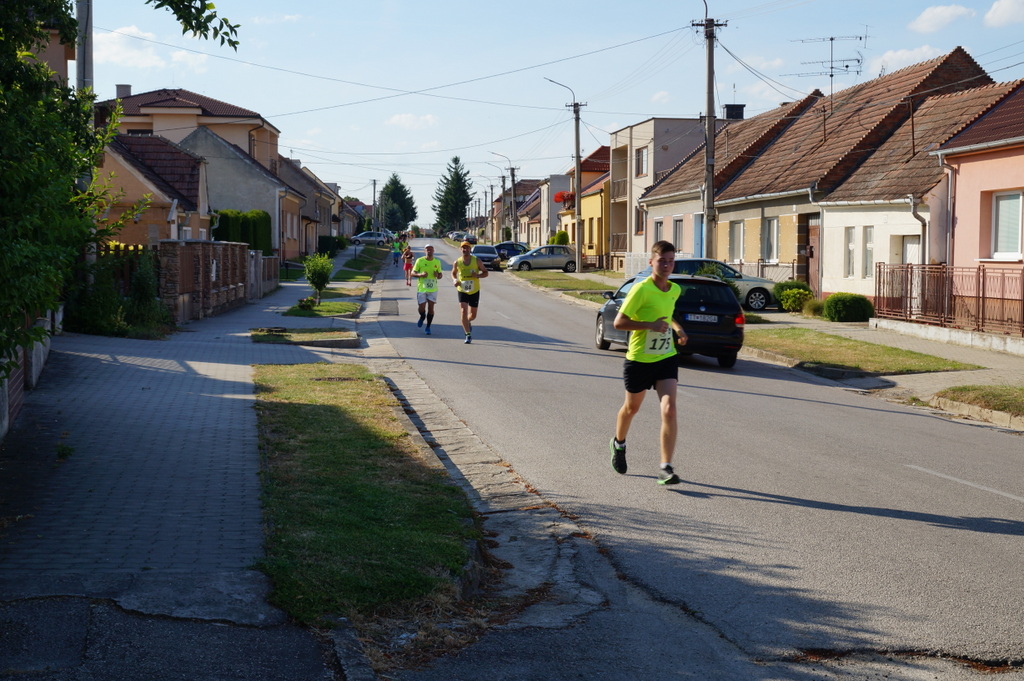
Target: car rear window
(694,292)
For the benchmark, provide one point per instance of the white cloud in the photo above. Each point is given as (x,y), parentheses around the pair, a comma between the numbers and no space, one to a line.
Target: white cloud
(121,49)
(939,17)
(1005,12)
(762,64)
(430,146)
(894,60)
(413,122)
(661,97)
(279,19)
(192,61)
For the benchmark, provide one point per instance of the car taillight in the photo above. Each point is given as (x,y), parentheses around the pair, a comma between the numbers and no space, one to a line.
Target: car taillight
(740,320)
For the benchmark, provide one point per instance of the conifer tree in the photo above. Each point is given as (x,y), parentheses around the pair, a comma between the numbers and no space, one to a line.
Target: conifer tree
(453,195)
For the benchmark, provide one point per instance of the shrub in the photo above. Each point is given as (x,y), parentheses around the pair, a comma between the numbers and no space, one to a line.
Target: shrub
(144,312)
(788,285)
(847,307)
(561,238)
(318,272)
(307,303)
(328,245)
(813,307)
(793,300)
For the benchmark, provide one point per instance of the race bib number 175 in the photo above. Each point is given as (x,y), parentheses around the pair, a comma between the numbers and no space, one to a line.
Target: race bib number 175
(658,343)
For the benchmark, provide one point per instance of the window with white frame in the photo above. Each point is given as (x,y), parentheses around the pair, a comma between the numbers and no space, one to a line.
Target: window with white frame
(851,235)
(641,161)
(869,252)
(658,229)
(677,233)
(735,240)
(770,240)
(1006,226)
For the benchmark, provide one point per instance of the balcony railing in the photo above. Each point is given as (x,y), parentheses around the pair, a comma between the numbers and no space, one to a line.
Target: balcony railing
(983,298)
(620,188)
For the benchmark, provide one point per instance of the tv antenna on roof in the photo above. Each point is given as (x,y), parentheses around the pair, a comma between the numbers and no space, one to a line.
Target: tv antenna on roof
(834,65)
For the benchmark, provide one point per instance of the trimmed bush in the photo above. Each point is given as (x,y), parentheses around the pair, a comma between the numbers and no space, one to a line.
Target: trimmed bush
(328,245)
(794,299)
(561,238)
(813,307)
(847,307)
(788,285)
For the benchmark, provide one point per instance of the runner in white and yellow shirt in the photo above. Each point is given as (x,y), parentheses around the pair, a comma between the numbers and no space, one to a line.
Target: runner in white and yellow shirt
(427,271)
(466,275)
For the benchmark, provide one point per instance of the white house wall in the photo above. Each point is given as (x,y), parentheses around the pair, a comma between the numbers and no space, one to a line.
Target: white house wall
(892,224)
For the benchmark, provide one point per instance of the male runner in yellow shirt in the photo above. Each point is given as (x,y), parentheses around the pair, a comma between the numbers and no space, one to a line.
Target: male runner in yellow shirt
(651,360)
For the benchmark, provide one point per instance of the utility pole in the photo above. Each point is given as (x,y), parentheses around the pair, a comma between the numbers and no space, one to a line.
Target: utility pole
(577,181)
(710,219)
(513,207)
(373,209)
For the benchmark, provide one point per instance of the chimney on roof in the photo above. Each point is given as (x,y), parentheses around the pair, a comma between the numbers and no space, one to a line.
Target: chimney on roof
(734,112)
(124,91)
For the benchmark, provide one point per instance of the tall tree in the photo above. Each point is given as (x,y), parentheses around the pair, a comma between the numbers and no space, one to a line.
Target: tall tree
(453,195)
(397,194)
(47,143)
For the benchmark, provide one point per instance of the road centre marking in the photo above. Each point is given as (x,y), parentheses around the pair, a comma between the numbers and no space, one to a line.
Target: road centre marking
(969,484)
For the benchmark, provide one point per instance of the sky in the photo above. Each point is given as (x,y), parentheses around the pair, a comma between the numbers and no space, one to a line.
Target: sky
(361,91)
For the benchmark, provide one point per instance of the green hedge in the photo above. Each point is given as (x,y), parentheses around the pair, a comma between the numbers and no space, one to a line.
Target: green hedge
(847,307)
(251,227)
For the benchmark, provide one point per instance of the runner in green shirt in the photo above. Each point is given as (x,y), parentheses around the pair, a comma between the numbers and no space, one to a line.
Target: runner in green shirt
(651,360)
(427,271)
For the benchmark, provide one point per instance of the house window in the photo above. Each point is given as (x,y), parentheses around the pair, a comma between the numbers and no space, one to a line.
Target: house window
(641,161)
(770,240)
(186,232)
(849,256)
(658,227)
(677,233)
(736,240)
(869,252)
(638,218)
(1006,226)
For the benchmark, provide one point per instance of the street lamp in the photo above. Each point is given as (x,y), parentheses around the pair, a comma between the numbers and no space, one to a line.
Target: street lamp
(501,172)
(514,208)
(577,180)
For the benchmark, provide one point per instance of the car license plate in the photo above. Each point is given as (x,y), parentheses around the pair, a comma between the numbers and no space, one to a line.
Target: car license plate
(702,318)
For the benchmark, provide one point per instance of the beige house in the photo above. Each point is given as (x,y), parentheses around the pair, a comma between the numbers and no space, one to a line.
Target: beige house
(174,179)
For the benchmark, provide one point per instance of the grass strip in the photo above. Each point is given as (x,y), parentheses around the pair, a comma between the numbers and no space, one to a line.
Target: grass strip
(300,336)
(353,292)
(561,281)
(1004,398)
(326,308)
(814,349)
(359,525)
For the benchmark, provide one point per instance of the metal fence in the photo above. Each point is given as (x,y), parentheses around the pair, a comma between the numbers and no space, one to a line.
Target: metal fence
(768,269)
(982,298)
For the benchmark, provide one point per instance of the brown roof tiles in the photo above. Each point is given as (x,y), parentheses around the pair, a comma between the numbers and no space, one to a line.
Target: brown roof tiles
(167,166)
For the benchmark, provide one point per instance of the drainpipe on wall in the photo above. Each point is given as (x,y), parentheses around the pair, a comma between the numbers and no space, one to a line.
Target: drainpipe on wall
(172,218)
(950,206)
(924,227)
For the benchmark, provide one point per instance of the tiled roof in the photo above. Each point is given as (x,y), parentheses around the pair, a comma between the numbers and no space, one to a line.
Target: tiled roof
(1003,122)
(736,145)
(596,183)
(902,164)
(826,144)
(166,98)
(167,166)
(599,161)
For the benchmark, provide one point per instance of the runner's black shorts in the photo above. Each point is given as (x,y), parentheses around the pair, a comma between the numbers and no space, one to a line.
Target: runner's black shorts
(471,299)
(641,376)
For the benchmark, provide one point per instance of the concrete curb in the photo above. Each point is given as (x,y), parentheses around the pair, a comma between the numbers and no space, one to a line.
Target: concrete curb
(998,418)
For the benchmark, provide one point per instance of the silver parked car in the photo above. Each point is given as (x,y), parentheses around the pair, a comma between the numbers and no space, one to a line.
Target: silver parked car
(545,257)
(755,292)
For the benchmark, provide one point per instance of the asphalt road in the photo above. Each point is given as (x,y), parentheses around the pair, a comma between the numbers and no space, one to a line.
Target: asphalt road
(810,518)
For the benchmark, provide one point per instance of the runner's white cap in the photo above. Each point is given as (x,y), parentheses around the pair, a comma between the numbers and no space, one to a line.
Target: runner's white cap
(428,245)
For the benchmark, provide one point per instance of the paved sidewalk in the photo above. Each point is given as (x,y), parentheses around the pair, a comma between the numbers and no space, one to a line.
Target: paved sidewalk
(153,509)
